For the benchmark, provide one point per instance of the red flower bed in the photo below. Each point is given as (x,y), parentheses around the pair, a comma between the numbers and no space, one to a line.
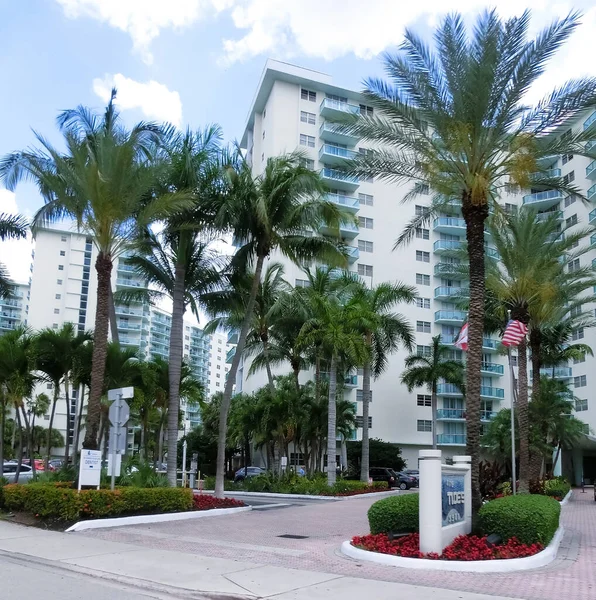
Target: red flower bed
(463,547)
(206,502)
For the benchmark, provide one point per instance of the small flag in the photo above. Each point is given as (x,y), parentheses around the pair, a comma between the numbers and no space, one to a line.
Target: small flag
(514,333)
(462,338)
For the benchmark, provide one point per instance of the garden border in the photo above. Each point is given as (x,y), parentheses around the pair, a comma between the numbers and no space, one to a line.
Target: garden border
(275,495)
(507,565)
(157,518)
(567,498)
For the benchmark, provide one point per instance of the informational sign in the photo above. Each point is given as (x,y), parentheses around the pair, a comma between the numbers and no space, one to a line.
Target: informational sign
(117,458)
(452,498)
(90,467)
(284,462)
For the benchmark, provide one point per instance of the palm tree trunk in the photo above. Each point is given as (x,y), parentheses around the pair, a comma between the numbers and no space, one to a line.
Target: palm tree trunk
(344,454)
(227,395)
(265,340)
(535,344)
(522,417)
(365,459)
(433,408)
(2,425)
(51,425)
(113,322)
(474,215)
(175,369)
(20,446)
(30,447)
(331,419)
(79,420)
(103,266)
(67,437)
(160,444)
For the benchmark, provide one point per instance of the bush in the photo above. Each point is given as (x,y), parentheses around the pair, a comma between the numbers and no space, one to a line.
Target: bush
(557,488)
(398,514)
(529,518)
(56,501)
(207,502)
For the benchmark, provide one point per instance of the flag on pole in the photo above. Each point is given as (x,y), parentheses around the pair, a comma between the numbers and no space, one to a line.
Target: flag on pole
(462,338)
(514,333)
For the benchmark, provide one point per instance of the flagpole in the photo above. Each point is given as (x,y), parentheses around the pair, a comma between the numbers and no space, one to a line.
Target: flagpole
(513,394)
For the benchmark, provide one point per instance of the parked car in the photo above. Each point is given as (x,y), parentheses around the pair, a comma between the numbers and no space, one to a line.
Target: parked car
(383,474)
(405,481)
(414,473)
(56,463)
(247,472)
(10,472)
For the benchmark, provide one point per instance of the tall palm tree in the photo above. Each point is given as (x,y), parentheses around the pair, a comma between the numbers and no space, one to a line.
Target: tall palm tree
(428,370)
(454,119)
(103,182)
(272,212)
(11,227)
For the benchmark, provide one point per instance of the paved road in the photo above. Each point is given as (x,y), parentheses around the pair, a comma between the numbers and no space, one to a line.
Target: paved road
(308,537)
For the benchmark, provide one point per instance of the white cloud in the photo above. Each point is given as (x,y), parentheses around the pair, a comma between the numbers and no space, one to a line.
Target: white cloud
(154,99)
(15,254)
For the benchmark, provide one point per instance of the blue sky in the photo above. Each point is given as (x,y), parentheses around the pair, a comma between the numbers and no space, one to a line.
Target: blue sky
(195,62)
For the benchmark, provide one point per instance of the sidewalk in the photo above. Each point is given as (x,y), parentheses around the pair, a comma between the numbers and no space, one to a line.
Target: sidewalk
(176,574)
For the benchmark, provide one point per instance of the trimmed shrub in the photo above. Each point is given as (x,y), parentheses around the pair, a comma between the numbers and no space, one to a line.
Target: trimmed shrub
(317,486)
(51,501)
(528,517)
(396,513)
(557,488)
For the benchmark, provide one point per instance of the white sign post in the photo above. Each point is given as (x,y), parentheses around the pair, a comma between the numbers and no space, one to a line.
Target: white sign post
(90,468)
(119,414)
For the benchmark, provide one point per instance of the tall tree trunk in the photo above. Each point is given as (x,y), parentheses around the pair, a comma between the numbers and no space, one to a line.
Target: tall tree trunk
(79,420)
(265,341)
(296,372)
(474,215)
(20,446)
(2,425)
(51,424)
(67,437)
(535,339)
(227,395)
(160,444)
(522,417)
(113,321)
(175,368)
(331,421)
(365,459)
(103,266)
(30,447)
(106,437)
(433,409)
(344,454)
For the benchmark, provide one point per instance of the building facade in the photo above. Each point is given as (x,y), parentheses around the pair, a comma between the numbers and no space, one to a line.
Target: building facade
(294,108)
(14,308)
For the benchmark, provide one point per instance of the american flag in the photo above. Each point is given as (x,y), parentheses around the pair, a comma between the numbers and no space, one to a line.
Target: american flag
(514,333)
(462,339)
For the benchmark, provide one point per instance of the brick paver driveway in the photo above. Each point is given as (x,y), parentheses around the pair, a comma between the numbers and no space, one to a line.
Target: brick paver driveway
(256,537)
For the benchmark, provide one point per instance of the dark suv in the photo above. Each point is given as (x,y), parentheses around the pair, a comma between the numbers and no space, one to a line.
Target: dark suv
(383,474)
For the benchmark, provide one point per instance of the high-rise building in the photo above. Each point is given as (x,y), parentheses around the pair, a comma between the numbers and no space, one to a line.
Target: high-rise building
(14,308)
(293,109)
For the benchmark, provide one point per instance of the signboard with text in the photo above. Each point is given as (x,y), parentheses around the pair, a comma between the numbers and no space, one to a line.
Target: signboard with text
(452,498)
(90,468)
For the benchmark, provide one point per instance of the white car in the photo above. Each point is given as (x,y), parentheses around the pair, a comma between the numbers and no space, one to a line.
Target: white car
(9,472)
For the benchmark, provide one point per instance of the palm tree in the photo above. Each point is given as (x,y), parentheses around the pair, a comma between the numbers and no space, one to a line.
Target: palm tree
(11,227)
(271,212)
(454,121)
(428,370)
(102,182)
(383,332)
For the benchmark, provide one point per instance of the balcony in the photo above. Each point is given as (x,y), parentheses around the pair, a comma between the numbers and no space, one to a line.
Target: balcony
(547,174)
(353,254)
(592,216)
(459,414)
(121,310)
(490,345)
(448,389)
(451,225)
(331,132)
(591,119)
(336,108)
(11,303)
(492,393)
(591,170)
(7,325)
(451,439)
(230,354)
(123,325)
(456,317)
(337,179)
(489,368)
(446,246)
(351,381)
(233,336)
(335,155)
(450,292)
(125,268)
(589,145)
(551,214)
(130,283)
(347,231)
(348,202)
(593,240)
(543,200)
(451,270)
(547,162)
(556,373)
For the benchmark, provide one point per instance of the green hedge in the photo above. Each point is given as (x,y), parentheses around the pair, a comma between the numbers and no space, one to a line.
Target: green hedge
(557,488)
(530,518)
(317,486)
(51,501)
(396,513)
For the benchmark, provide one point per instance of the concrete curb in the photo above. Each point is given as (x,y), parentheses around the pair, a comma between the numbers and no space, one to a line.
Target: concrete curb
(161,518)
(567,498)
(477,566)
(232,494)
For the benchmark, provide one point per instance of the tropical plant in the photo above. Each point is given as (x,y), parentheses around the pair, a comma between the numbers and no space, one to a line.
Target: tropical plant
(103,182)
(428,370)
(454,121)
(11,227)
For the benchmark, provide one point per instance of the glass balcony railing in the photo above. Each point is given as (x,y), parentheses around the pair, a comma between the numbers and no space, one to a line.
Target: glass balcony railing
(592,216)
(331,150)
(591,170)
(452,270)
(459,414)
(450,292)
(447,245)
(591,119)
(548,174)
(549,195)
(330,104)
(491,392)
(126,268)
(541,217)
(557,372)
(494,368)
(451,439)
(347,201)
(449,222)
(130,283)
(450,315)
(448,389)
(338,175)
(591,192)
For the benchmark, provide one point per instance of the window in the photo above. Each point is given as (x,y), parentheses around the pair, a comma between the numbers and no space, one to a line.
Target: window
(422,256)
(422,279)
(308,95)
(219,349)
(62,238)
(422,188)
(54,325)
(59,281)
(422,234)
(218,375)
(421,210)
(60,267)
(365,270)
(308,117)
(307,140)
(571,221)
(366,151)
(510,188)
(574,244)
(578,334)
(566,135)
(575,310)
(424,425)
(577,361)
(219,367)
(366,111)
(360,422)
(579,381)
(510,209)
(263,134)
(48,386)
(365,222)
(423,400)
(262,157)
(219,341)
(264,113)
(566,158)
(423,302)
(569,201)
(573,265)
(56,311)
(423,326)
(296,459)
(217,384)
(569,177)
(365,246)
(307,163)
(581,404)
(423,350)
(367,179)
(58,296)
(301,283)
(366,199)
(62,252)
(360,395)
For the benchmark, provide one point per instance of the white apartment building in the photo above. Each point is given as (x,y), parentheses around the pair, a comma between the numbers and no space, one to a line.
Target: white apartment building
(291,110)
(14,308)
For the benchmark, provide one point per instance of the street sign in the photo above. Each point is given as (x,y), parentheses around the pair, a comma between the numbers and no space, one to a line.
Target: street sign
(119,412)
(127,392)
(117,442)
(90,468)
(117,464)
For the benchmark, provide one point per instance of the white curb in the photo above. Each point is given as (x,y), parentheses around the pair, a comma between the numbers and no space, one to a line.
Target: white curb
(160,518)
(567,497)
(232,494)
(478,566)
